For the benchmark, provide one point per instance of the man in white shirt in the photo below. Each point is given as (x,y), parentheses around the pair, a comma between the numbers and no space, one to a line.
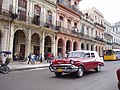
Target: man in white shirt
(4,57)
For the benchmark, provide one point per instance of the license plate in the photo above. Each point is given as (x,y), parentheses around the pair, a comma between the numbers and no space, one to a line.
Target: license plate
(59,70)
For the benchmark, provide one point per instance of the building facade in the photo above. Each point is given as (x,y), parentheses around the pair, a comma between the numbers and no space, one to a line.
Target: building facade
(31,27)
(68,25)
(107,35)
(94,28)
(56,26)
(115,41)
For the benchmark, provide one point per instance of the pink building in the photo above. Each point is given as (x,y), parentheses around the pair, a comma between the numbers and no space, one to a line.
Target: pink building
(68,26)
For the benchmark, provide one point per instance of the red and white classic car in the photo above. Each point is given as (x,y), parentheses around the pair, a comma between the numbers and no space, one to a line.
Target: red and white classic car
(118,76)
(77,62)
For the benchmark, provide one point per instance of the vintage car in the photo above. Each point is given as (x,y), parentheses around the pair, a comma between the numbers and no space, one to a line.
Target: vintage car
(77,62)
(118,76)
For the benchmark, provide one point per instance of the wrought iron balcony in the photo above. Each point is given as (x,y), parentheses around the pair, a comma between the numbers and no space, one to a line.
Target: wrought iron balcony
(64,30)
(115,43)
(99,39)
(109,43)
(62,2)
(101,25)
(36,21)
(5,12)
(108,34)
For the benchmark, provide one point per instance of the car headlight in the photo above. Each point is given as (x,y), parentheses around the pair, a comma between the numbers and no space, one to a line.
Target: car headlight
(71,62)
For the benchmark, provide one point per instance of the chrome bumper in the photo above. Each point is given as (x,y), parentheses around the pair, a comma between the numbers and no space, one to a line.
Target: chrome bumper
(64,68)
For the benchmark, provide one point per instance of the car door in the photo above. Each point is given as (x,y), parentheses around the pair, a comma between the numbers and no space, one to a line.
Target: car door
(88,61)
(94,61)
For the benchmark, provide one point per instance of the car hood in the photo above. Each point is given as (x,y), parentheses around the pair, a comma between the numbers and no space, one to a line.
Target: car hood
(65,61)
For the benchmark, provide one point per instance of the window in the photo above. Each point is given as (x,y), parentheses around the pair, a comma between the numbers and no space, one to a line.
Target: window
(75,25)
(87,30)
(75,54)
(92,54)
(49,17)
(22,3)
(82,29)
(87,55)
(69,24)
(61,18)
(37,10)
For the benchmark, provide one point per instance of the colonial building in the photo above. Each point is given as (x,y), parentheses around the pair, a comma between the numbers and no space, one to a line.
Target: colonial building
(115,41)
(107,35)
(94,29)
(68,26)
(28,26)
(116,28)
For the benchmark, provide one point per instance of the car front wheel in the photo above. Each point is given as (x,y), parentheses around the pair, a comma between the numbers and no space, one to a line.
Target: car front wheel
(79,72)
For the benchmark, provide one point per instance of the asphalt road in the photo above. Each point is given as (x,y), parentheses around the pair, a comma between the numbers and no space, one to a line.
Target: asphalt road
(43,79)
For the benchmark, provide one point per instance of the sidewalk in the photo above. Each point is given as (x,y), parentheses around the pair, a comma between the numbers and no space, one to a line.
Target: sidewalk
(16,66)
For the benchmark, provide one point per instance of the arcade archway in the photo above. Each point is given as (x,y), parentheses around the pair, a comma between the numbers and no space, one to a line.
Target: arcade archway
(75,46)
(67,46)
(35,44)
(47,46)
(0,40)
(60,46)
(19,44)
(82,46)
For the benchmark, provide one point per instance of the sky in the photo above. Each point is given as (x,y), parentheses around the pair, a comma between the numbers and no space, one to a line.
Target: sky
(109,8)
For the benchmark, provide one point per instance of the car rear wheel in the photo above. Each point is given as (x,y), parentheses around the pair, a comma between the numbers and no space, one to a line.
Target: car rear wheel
(119,85)
(98,69)
(80,72)
(58,74)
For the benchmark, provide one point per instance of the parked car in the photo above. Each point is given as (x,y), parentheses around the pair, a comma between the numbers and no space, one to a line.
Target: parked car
(118,76)
(77,62)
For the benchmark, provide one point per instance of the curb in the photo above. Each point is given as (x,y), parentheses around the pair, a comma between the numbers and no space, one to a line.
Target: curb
(27,68)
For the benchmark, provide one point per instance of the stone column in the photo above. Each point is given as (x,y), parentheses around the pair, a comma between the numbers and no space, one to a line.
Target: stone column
(64,48)
(71,46)
(53,45)
(28,44)
(42,44)
(11,40)
(56,46)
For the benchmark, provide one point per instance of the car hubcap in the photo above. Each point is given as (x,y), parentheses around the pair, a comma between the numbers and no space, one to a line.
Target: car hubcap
(99,67)
(80,72)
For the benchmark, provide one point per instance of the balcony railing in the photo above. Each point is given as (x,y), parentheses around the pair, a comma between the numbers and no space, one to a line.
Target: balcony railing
(5,12)
(62,2)
(37,22)
(109,43)
(99,25)
(108,34)
(99,39)
(63,29)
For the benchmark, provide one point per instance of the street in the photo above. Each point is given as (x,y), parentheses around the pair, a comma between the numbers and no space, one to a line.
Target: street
(43,79)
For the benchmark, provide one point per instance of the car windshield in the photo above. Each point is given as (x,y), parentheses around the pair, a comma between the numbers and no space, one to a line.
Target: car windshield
(75,54)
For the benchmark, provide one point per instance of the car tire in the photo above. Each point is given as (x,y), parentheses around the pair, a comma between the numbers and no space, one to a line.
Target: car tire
(5,70)
(119,85)
(98,69)
(80,72)
(58,74)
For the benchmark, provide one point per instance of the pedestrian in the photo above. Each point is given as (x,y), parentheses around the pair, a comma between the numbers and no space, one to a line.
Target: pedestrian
(40,57)
(15,56)
(52,56)
(48,57)
(29,58)
(33,58)
(4,57)
(59,55)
